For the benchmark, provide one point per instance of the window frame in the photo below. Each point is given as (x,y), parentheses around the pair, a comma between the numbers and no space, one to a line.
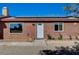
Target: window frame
(58,27)
(15,23)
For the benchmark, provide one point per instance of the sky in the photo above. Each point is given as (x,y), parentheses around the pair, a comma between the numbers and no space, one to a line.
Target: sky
(34,9)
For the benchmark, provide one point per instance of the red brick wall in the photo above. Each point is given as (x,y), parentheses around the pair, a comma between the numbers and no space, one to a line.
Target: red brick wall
(29,31)
(27,34)
(69,29)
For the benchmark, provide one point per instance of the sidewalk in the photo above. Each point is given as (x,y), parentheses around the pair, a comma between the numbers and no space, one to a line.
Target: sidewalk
(51,43)
(34,43)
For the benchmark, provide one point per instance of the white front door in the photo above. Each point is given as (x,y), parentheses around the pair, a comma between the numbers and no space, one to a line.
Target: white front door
(40,30)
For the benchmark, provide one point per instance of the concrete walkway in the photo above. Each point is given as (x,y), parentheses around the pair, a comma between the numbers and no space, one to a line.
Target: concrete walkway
(42,43)
(34,43)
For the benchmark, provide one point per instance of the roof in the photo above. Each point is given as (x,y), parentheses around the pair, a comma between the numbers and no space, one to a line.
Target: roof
(2,17)
(40,19)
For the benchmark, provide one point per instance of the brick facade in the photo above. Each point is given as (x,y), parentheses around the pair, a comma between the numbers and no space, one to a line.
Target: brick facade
(29,32)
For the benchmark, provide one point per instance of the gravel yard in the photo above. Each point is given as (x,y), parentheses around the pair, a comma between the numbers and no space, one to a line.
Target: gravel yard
(20,50)
(30,48)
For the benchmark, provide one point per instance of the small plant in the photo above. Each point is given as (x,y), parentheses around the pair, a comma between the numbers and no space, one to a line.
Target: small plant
(76,38)
(60,37)
(49,37)
(70,37)
(34,38)
(53,38)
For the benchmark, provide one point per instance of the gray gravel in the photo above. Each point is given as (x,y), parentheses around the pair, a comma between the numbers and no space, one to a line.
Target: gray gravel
(31,48)
(20,50)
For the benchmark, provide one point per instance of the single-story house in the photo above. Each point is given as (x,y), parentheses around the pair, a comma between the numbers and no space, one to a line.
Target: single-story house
(37,28)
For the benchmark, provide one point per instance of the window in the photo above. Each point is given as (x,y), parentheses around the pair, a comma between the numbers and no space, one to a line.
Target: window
(58,27)
(15,28)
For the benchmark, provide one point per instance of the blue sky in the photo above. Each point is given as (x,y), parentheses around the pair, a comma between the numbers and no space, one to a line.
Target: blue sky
(35,9)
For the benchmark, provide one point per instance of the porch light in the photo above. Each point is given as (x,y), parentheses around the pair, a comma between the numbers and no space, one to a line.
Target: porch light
(33,24)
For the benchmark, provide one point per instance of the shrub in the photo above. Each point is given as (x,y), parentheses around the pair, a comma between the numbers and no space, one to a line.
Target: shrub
(67,50)
(70,37)
(49,37)
(60,37)
(53,38)
(74,50)
(76,38)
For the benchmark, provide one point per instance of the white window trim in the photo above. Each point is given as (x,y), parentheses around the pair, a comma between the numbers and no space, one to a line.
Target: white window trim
(15,23)
(58,24)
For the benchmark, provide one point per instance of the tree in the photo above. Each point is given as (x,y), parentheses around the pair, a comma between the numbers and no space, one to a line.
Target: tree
(72,9)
